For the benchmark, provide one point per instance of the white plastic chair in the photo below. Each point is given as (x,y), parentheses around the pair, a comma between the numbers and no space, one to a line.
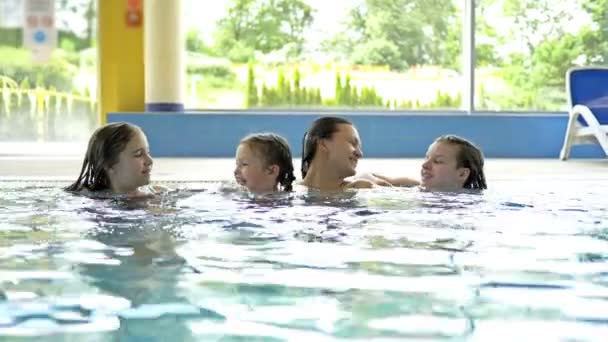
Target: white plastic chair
(587,89)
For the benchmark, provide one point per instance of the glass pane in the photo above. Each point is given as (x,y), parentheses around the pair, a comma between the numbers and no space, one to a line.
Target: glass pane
(525,47)
(54,100)
(380,54)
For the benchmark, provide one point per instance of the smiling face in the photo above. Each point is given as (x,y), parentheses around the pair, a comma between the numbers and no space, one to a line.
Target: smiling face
(253,172)
(133,167)
(343,150)
(440,170)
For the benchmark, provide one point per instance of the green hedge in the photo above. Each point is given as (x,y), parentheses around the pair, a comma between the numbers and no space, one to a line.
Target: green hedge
(16,63)
(200,64)
(289,92)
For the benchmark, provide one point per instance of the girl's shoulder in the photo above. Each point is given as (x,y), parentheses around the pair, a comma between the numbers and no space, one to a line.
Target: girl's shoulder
(143,192)
(300,187)
(151,190)
(158,189)
(359,184)
(346,184)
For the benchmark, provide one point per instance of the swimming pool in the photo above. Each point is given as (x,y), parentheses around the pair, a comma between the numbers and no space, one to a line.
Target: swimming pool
(523,260)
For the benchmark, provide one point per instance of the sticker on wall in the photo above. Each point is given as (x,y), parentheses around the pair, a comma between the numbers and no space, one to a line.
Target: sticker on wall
(134,14)
(39,31)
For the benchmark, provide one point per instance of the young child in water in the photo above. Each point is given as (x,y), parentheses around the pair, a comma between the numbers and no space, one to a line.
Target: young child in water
(452,163)
(264,164)
(117,162)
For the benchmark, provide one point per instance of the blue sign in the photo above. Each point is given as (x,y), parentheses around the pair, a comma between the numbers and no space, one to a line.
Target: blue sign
(40,36)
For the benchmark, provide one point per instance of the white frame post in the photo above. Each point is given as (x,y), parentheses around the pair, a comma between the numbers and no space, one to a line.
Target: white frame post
(468,57)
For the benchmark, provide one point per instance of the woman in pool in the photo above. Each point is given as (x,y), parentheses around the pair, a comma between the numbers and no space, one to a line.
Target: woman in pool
(117,162)
(331,148)
(452,163)
(264,164)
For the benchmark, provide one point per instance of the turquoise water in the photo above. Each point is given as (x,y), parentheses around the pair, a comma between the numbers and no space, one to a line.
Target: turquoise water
(522,261)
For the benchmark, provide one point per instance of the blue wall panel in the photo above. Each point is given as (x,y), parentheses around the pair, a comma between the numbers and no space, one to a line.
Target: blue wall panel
(384,135)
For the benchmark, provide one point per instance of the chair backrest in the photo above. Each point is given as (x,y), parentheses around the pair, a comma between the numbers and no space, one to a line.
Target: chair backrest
(589,86)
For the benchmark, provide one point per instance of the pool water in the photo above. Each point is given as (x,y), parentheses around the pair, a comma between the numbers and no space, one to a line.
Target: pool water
(524,260)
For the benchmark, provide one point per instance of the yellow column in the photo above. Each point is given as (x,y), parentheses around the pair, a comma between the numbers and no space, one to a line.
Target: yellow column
(120,56)
(164,52)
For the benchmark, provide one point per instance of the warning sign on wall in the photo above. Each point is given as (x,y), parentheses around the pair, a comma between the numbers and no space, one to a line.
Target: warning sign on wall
(39,32)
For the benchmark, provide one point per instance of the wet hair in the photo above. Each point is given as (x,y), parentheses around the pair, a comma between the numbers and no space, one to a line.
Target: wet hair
(274,150)
(469,156)
(103,150)
(321,128)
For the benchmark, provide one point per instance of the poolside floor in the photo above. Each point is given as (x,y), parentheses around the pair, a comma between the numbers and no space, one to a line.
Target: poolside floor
(62,162)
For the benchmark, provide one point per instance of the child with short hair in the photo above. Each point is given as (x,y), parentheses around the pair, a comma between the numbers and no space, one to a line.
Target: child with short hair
(452,163)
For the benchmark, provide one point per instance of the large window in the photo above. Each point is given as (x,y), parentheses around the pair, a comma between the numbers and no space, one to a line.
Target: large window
(380,54)
(390,54)
(308,54)
(525,47)
(51,99)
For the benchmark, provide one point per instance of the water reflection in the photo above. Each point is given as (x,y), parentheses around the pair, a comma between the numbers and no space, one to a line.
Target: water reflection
(141,238)
(201,264)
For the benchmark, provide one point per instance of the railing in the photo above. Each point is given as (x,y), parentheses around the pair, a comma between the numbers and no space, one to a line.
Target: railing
(44,114)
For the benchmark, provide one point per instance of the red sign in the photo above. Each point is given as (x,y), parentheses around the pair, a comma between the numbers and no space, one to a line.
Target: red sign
(134,4)
(47,21)
(32,21)
(134,14)
(134,18)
